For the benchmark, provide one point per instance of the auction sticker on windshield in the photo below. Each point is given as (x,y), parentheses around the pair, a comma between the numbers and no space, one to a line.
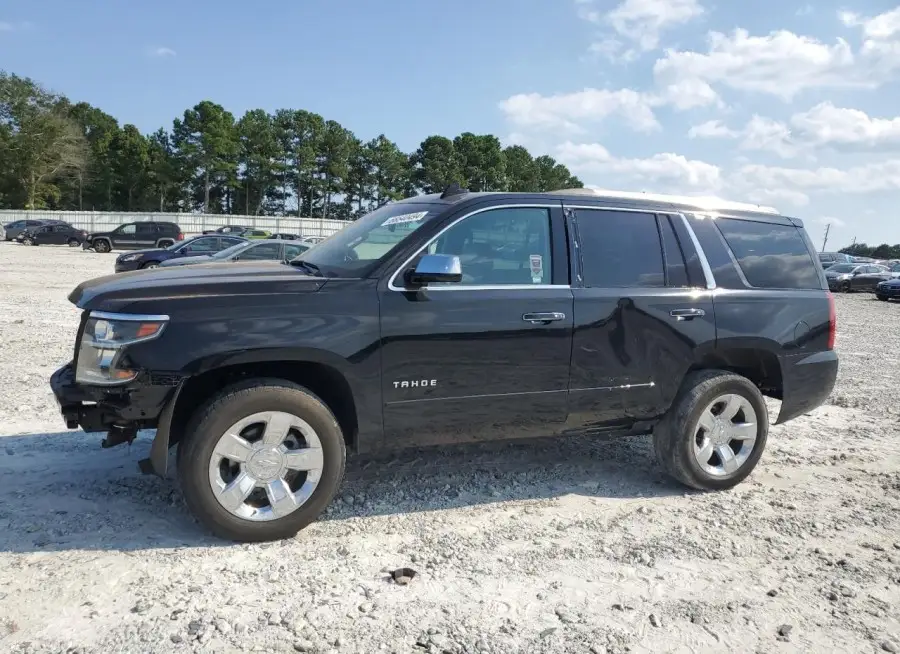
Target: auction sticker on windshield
(405,218)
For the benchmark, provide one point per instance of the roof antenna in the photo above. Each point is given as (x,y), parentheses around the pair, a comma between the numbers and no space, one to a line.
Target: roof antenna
(453,189)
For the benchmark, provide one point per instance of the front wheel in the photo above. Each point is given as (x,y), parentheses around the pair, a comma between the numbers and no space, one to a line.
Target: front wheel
(101,246)
(883,298)
(73,243)
(27,241)
(715,432)
(845,287)
(261,460)
(151,264)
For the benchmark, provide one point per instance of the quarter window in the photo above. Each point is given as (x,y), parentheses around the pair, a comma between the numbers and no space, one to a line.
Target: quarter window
(619,248)
(500,247)
(771,256)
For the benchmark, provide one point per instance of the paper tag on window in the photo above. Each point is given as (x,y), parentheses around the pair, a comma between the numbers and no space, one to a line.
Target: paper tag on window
(537,268)
(405,218)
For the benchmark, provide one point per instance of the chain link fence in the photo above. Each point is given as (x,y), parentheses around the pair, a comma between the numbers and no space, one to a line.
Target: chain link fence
(190,223)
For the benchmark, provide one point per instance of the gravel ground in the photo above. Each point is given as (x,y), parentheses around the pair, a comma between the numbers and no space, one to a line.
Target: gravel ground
(570,545)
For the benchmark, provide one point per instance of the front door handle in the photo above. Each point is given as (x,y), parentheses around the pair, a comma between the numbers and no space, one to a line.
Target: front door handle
(543,318)
(687,314)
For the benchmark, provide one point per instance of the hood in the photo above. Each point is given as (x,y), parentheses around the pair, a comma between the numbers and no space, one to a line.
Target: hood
(892,282)
(141,252)
(183,261)
(115,292)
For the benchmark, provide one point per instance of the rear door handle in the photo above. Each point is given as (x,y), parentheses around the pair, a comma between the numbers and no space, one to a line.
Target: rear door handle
(687,314)
(539,318)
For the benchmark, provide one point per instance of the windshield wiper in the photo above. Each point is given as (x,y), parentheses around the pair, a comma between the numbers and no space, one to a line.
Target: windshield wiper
(311,267)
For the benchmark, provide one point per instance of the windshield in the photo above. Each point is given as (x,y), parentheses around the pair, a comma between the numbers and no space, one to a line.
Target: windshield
(356,247)
(227,252)
(843,268)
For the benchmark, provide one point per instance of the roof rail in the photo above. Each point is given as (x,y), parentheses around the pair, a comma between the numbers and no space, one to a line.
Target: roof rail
(706,202)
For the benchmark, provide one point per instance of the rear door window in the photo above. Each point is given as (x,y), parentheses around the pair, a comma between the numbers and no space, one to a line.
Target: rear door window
(266,251)
(619,249)
(770,255)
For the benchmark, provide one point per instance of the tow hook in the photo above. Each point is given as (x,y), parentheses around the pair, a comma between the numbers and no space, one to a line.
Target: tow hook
(118,435)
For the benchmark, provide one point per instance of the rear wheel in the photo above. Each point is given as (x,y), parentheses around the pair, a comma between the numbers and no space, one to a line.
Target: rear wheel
(73,243)
(101,246)
(715,432)
(261,460)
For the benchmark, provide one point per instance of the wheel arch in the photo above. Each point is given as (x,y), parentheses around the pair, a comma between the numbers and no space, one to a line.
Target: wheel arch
(758,364)
(324,379)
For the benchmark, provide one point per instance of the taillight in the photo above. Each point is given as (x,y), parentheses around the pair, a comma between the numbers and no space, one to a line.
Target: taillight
(832,321)
(180,236)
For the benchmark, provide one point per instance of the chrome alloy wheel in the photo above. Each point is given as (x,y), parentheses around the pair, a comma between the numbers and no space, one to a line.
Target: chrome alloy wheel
(266,466)
(725,435)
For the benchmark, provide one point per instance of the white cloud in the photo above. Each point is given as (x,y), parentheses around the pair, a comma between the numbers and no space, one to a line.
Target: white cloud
(639,22)
(878,176)
(712,129)
(881,27)
(592,159)
(805,10)
(569,111)
(162,51)
(781,63)
(6,27)
(823,126)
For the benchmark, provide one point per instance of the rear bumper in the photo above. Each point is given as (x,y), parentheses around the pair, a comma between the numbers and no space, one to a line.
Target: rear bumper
(807,382)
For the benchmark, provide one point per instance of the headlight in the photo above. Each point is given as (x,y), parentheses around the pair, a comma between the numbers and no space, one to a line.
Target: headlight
(131,257)
(101,353)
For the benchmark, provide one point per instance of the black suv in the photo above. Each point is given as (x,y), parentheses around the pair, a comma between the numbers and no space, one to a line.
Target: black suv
(135,236)
(459,317)
(57,233)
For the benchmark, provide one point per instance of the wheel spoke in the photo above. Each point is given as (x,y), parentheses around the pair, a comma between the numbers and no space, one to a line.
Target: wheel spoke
(742,431)
(704,454)
(280,497)
(308,458)
(234,494)
(233,447)
(707,421)
(277,427)
(732,405)
(727,457)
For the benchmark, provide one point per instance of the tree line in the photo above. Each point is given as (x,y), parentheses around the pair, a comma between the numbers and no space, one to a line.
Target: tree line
(55,154)
(883,251)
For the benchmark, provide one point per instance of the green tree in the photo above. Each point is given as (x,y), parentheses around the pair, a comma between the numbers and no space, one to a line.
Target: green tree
(300,136)
(206,142)
(260,161)
(40,140)
(521,171)
(333,161)
(95,182)
(389,170)
(435,165)
(359,183)
(130,162)
(163,175)
(553,176)
(482,163)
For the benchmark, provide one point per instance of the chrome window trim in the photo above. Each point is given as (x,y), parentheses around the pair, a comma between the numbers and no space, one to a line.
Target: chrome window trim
(704,262)
(483,287)
(131,317)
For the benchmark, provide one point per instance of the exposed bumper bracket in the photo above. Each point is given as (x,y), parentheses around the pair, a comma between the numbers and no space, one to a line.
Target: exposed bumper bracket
(158,462)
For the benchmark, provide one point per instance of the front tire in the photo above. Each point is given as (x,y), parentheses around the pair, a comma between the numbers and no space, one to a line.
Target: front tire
(845,287)
(101,246)
(73,243)
(715,431)
(883,298)
(27,241)
(150,264)
(261,460)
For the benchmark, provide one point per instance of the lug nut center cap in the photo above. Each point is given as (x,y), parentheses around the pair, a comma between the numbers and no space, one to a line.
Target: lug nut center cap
(265,464)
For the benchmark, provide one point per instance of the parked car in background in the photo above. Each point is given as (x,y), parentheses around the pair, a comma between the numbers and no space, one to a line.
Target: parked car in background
(15,228)
(284,236)
(263,250)
(135,236)
(314,239)
(196,246)
(233,230)
(256,233)
(848,277)
(828,259)
(895,270)
(52,234)
(888,290)
(2,233)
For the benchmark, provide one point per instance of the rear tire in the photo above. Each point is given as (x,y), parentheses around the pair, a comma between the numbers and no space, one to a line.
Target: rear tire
(101,246)
(692,432)
(208,476)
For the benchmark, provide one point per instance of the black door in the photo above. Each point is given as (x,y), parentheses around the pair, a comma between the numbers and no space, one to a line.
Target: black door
(124,237)
(869,277)
(471,360)
(641,314)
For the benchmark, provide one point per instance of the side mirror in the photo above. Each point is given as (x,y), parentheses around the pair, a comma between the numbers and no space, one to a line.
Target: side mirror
(434,268)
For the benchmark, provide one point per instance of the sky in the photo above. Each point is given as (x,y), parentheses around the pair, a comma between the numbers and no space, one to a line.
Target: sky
(785,103)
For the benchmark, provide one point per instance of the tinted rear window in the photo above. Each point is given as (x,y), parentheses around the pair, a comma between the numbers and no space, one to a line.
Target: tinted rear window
(620,249)
(771,256)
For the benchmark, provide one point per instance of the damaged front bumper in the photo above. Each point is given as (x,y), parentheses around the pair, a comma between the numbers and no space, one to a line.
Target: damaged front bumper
(145,403)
